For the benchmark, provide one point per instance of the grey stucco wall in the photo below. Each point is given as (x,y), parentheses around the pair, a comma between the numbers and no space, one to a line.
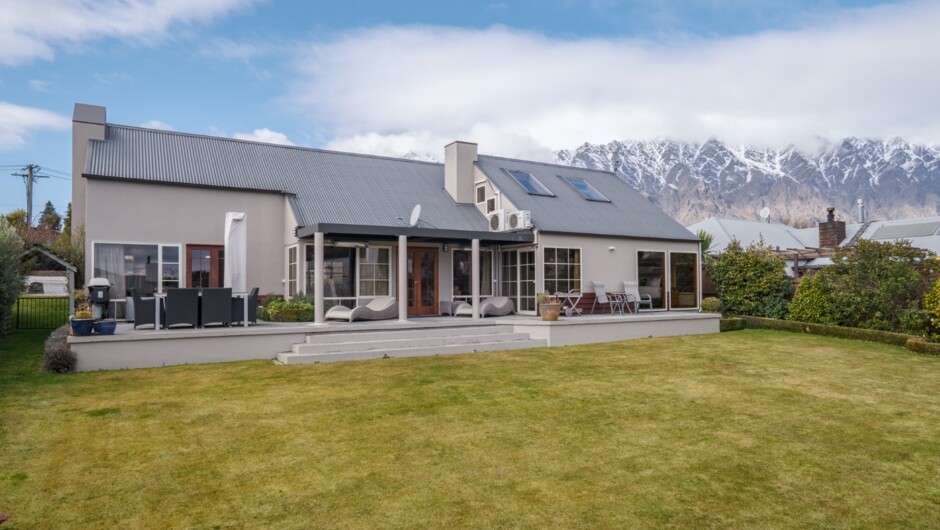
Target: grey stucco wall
(135,212)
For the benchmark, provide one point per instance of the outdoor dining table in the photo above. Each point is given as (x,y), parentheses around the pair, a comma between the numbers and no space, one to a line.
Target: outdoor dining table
(157,297)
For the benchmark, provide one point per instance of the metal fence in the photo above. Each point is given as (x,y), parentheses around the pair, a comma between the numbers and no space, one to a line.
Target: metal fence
(41,312)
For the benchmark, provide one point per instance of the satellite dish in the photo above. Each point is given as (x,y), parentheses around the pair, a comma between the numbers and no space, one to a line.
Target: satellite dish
(415,215)
(765,213)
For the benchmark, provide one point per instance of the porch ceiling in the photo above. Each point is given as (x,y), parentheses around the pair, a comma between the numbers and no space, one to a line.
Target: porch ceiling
(331,229)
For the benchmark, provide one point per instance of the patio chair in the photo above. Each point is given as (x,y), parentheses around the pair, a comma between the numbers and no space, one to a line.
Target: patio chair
(379,308)
(182,308)
(144,312)
(238,308)
(601,297)
(216,307)
(633,296)
(497,306)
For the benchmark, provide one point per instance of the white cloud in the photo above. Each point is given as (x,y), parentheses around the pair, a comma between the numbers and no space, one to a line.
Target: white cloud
(157,124)
(265,135)
(17,123)
(393,89)
(33,30)
(38,85)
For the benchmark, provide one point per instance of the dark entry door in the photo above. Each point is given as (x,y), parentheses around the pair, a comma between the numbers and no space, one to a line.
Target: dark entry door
(422,281)
(206,265)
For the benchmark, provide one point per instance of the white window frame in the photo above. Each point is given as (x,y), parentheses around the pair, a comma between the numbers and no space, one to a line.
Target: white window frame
(698,278)
(159,246)
(356,272)
(297,270)
(544,263)
(391,279)
(667,277)
(499,281)
(493,267)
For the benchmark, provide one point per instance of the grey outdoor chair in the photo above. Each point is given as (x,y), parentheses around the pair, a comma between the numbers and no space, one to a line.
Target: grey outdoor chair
(182,308)
(216,307)
(496,306)
(238,308)
(632,292)
(379,308)
(144,311)
(601,297)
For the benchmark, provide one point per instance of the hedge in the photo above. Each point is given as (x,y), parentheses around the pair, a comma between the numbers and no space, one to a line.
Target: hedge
(914,344)
(732,324)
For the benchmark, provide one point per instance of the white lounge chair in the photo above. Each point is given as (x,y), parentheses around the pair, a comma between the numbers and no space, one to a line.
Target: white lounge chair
(603,298)
(496,306)
(379,308)
(632,293)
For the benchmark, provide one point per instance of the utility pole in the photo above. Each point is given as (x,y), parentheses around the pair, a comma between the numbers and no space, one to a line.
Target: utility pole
(29,177)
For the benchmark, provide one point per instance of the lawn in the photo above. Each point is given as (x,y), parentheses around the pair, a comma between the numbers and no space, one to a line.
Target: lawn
(747,429)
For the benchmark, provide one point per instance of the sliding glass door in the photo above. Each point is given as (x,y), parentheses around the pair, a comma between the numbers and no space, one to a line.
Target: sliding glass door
(517,278)
(683,280)
(651,276)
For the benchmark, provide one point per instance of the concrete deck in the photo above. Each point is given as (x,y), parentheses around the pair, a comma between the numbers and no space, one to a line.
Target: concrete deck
(129,348)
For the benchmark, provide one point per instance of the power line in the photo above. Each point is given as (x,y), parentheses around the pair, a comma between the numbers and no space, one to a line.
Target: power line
(30,176)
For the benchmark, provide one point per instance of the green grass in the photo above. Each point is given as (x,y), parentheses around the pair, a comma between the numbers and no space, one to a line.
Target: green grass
(40,310)
(756,429)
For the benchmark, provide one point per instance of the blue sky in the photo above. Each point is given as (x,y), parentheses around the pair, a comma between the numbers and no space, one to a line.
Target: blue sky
(521,77)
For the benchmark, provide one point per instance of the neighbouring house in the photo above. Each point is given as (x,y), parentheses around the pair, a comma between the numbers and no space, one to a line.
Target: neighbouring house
(337,225)
(808,249)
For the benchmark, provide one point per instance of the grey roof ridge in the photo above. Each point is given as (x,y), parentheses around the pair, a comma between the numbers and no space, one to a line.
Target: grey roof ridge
(611,173)
(297,147)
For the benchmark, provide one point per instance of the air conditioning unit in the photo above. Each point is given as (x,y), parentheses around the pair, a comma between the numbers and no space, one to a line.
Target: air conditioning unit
(520,220)
(497,219)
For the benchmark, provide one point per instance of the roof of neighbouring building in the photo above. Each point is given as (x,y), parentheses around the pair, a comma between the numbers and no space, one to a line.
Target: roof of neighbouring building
(923,232)
(775,235)
(628,214)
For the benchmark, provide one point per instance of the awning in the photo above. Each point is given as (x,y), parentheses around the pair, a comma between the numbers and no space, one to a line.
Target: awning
(360,231)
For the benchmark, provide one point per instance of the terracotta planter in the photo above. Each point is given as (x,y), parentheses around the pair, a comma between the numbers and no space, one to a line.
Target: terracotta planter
(550,311)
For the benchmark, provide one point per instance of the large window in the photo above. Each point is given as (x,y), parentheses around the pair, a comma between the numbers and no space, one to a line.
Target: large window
(375,266)
(462,274)
(562,269)
(135,265)
(683,274)
(651,274)
(339,271)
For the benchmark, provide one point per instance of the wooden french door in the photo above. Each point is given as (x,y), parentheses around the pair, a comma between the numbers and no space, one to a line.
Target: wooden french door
(206,265)
(422,281)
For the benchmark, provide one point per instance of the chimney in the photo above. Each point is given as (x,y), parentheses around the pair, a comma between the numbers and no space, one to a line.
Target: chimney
(88,123)
(861,211)
(458,170)
(831,232)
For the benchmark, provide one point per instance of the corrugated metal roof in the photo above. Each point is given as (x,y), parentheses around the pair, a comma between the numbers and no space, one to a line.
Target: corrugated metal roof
(330,187)
(775,235)
(905,230)
(921,238)
(627,214)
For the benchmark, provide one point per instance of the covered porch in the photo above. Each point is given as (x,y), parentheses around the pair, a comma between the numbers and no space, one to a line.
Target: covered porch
(429,271)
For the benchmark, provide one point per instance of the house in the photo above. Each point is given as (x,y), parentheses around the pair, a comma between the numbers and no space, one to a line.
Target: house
(338,225)
(811,248)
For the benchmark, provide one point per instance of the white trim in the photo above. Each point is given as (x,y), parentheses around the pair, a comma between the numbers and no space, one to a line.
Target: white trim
(698,274)
(666,275)
(453,267)
(287,293)
(182,273)
(580,250)
(517,251)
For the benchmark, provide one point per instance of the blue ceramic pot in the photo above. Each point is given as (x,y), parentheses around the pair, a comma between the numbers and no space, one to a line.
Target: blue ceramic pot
(105,327)
(82,328)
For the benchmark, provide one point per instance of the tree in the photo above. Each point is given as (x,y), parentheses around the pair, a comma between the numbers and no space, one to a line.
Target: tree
(67,225)
(11,277)
(750,281)
(707,241)
(50,218)
(873,285)
(16,218)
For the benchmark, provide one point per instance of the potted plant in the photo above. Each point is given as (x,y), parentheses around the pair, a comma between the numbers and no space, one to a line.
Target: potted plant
(81,323)
(105,326)
(549,306)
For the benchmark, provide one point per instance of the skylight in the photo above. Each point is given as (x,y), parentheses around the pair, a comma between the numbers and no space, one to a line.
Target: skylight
(530,183)
(586,190)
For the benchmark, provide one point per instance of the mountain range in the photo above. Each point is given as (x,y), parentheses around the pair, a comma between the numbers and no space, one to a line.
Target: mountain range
(692,181)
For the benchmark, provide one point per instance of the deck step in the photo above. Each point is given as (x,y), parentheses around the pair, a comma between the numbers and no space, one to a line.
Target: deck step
(357,342)
(409,351)
(392,334)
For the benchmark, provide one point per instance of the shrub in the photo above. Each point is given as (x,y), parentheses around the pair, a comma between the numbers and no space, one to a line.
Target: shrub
(870,335)
(281,310)
(931,307)
(11,277)
(732,324)
(919,345)
(710,304)
(750,281)
(871,285)
(58,357)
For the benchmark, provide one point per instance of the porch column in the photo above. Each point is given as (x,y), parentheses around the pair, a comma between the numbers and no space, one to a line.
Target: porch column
(317,277)
(475,276)
(403,278)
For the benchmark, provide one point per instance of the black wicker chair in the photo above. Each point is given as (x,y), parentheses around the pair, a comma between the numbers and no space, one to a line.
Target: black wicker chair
(216,307)
(144,311)
(238,308)
(182,308)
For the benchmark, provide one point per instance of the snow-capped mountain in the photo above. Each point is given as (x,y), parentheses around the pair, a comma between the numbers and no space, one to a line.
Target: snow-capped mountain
(693,181)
